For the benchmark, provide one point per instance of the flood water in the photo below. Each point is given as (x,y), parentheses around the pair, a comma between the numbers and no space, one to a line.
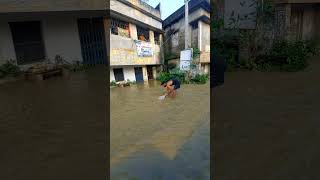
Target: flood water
(266,125)
(153,139)
(46,126)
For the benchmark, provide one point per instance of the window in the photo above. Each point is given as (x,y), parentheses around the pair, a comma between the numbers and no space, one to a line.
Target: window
(120,28)
(118,74)
(143,34)
(156,38)
(28,42)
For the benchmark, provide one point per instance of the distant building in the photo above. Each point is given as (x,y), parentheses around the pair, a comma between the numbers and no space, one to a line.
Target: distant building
(32,31)
(135,41)
(199,31)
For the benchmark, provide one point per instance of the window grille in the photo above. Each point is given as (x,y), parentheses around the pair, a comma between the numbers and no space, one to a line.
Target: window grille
(156,38)
(143,34)
(120,28)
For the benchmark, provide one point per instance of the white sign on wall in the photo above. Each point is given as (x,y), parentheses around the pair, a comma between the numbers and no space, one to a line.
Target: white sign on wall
(186,55)
(144,49)
(185,59)
(184,65)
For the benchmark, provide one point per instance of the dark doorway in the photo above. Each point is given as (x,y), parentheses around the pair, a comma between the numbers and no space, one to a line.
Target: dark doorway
(93,41)
(139,74)
(28,41)
(150,72)
(118,74)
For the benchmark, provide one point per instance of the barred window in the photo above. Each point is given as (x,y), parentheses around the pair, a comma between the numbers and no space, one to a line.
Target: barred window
(157,38)
(120,28)
(143,34)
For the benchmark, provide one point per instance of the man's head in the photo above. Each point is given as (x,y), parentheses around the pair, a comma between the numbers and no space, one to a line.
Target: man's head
(163,83)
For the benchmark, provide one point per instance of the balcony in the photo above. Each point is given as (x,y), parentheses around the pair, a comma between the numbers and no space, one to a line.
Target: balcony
(123,52)
(129,8)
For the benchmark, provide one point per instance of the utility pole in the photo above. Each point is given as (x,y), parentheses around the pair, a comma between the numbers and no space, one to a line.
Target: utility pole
(186,34)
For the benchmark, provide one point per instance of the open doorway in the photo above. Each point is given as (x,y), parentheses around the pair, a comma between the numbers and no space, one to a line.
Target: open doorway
(150,72)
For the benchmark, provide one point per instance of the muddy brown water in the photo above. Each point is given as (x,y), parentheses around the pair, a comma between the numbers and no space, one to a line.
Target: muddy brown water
(54,129)
(267,125)
(153,139)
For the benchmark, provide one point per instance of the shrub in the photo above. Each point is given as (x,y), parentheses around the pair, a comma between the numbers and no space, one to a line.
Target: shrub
(287,56)
(78,66)
(113,83)
(9,69)
(196,53)
(200,79)
(177,74)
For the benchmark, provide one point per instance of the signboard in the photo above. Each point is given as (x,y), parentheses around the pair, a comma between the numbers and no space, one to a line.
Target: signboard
(185,65)
(186,55)
(185,59)
(144,49)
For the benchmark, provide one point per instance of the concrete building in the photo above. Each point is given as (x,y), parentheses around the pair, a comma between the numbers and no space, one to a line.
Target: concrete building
(32,31)
(199,31)
(298,18)
(135,41)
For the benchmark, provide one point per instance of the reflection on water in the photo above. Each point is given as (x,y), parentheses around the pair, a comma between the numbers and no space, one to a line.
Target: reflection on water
(46,126)
(153,139)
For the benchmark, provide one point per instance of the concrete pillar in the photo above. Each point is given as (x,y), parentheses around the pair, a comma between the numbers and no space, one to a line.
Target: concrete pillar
(112,78)
(133,31)
(161,49)
(154,72)
(206,68)
(161,39)
(151,37)
(145,73)
(200,33)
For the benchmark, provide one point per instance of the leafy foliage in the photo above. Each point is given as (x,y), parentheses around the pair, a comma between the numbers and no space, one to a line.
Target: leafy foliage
(113,83)
(183,77)
(9,69)
(200,79)
(288,55)
(196,53)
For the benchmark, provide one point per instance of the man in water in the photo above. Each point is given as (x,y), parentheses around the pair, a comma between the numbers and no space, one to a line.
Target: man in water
(171,88)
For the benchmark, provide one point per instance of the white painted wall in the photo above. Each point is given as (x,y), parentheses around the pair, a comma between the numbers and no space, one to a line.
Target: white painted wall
(134,13)
(7,51)
(145,73)
(61,37)
(112,75)
(129,73)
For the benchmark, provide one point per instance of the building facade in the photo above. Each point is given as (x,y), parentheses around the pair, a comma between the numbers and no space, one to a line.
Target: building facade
(135,41)
(298,19)
(32,32)
(199,32)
